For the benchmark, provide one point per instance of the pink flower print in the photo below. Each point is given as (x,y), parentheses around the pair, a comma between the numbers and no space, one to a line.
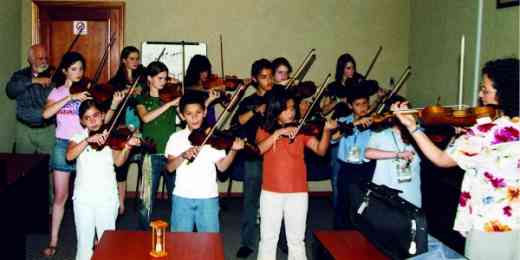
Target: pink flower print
(464,197)
(485,127)
(470,132)
(506,134)
(507,211)
(469,154)
(495,182)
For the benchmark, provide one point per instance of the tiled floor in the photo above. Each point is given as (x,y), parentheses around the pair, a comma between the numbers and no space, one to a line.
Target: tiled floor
(320,217)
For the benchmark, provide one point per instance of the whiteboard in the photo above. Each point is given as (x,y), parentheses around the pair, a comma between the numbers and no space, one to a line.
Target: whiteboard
(172,56)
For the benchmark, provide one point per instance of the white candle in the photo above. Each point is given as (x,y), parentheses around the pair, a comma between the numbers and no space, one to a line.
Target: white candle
(461,70)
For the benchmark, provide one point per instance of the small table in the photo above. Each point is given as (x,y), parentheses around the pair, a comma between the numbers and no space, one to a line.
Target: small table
(138,244)
(343,244)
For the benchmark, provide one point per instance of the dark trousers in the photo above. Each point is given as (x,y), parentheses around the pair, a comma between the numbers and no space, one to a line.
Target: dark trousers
(349,174)
(252,188)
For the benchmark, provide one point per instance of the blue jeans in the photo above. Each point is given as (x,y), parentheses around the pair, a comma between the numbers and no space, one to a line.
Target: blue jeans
(158,162)
(335,167)
(187,213)
(252,188)
(438,251)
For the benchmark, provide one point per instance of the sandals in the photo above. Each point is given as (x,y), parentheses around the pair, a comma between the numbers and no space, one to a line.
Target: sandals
(49,251)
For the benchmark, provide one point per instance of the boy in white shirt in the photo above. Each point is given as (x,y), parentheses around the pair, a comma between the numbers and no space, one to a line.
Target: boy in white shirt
(195,197)
(95,197)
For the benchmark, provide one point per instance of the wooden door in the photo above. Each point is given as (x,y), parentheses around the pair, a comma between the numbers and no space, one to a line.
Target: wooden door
(55,31)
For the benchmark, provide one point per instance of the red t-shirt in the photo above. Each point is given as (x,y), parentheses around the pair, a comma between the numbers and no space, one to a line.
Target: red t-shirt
(284,166)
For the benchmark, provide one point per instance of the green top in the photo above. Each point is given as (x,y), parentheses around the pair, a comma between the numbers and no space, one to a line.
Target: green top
(159,129)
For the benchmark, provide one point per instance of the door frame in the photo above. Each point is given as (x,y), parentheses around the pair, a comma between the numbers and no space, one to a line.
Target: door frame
(40,9)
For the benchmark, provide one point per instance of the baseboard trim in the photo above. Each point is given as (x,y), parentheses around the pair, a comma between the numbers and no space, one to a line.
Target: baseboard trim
(162,195)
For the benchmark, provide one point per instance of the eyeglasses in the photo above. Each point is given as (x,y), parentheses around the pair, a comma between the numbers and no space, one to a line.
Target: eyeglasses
(486,91)
(93,116)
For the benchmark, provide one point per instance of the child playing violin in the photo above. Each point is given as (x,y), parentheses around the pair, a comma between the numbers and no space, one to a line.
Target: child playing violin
(354,167)
(249,116)
(284,187)
(158,123)
(64,106)
(195,197)
(95,188)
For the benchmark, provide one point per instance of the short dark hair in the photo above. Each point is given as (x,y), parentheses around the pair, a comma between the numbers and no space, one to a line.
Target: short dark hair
(88,104)
(191,98)
(259,65)
(355,94)
(504,75)
(281,61)
(361,89)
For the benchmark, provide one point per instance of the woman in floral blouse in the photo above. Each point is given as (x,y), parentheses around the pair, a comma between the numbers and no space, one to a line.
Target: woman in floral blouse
(488,214)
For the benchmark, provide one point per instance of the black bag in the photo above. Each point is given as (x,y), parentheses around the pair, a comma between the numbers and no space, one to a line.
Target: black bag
(394,225)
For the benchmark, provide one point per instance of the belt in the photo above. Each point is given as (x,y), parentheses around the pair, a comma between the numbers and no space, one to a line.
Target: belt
(33,125)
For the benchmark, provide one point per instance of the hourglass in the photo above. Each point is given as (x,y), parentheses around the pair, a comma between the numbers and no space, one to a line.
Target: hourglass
(158,238)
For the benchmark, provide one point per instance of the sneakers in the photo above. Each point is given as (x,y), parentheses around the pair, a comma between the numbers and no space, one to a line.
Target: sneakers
(244,252)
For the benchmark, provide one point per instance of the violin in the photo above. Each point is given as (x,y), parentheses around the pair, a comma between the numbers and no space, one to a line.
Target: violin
(170,91)
(228,83)
(222,140)
(119,137)
(379,122)
(460,116)
(207,135)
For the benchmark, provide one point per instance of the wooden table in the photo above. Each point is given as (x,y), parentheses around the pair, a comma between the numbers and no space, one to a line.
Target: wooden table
(345,245)
(136,245)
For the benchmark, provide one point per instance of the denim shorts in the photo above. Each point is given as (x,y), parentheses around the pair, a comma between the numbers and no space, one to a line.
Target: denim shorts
(59,160)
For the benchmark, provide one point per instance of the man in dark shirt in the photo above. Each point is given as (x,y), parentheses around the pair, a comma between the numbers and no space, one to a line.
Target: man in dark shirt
(248,117)
(30,89)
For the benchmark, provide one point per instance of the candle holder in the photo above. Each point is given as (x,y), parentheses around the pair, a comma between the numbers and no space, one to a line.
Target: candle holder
(158,238)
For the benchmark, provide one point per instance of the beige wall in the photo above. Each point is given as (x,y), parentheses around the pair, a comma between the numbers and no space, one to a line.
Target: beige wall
(435,31)
(500,32)
(436,28)
(10,41)
(272,28)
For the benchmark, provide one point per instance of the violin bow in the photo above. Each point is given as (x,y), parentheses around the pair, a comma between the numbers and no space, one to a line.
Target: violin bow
(221,57)
(160,55)
(235,99)
(104,59)
(381,104)
(373,61)
(299,71)
(72,44)
(315,98)
(125,101)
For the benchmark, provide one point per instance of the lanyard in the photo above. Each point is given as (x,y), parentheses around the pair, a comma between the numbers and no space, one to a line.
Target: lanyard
(395,142)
